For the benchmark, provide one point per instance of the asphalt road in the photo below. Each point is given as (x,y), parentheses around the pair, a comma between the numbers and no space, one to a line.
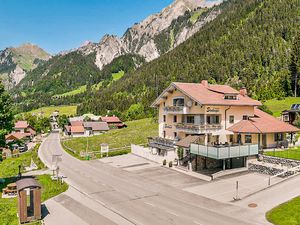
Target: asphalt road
(102,194)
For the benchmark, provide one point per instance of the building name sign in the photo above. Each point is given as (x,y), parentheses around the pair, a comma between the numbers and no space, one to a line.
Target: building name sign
(212,110)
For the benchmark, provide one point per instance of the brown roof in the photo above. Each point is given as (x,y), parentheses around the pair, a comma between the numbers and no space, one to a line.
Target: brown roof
(210,94)
(77,129)
(187,141)
(21,124)
(111,119)
(17,136)
(96,126)
(27,183)
(68,128)
(76,123)
(262,123)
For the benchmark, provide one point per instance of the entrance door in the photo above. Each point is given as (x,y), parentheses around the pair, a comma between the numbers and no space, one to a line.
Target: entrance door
(264,140)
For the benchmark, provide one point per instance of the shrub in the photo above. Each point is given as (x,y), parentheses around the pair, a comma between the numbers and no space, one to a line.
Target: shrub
(165,162)
(170,164)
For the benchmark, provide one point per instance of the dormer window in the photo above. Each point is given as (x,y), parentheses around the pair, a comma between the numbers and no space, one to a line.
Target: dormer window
(230,97)
(178,101)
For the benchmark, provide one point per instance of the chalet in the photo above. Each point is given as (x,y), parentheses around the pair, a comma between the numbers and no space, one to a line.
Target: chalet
(292,114)
(217,125)
(113,121)
(24,127)
(94,128)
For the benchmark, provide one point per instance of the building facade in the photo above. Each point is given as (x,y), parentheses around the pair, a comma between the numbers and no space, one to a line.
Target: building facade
(216,125)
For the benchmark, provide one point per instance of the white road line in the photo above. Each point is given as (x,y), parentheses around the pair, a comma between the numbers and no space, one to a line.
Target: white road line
(196,222)
(149,204)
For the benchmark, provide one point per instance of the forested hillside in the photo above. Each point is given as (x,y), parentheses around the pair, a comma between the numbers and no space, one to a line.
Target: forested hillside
(47,84)
(251,43)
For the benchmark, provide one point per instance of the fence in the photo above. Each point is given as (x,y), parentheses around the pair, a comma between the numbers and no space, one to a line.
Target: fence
(152,154)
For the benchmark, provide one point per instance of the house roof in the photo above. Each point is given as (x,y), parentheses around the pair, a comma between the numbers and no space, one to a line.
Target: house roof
(111,119)
(76,123)
(209,94)
(77,129)
(27,183)
(262,123)
(16,136)
(187,141)
(96,126)
(68,128)
(21,124)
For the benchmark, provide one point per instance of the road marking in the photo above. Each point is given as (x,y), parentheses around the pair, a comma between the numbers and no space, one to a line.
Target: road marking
(149,204)
(196,222)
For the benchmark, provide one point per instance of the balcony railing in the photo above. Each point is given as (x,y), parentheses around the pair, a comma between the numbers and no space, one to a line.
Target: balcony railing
(162,143)
(176,109)
(224,152)
(197,129)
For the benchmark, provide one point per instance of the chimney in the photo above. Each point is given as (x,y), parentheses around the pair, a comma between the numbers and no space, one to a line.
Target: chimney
(204,83)
(243,91)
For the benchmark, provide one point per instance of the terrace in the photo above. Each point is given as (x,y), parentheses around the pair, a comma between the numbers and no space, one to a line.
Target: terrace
(224,151)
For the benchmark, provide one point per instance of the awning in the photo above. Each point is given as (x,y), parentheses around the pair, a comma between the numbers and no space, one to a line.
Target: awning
(187,141)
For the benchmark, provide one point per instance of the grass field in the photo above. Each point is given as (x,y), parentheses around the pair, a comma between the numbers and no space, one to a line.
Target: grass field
(136,133)
(71,93)
(63,110)
(9,170)
(285,214)
(118,76)
(277,106)
(292,153)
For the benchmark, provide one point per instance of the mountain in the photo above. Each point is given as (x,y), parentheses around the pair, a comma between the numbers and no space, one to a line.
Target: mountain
(252,43)
(145,38)
(144,41)
(16,62)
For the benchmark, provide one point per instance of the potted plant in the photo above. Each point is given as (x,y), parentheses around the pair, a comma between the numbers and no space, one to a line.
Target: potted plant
(164,162)
(170,164)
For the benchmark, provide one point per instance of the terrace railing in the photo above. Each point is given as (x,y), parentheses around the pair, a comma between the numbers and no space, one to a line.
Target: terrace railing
(176,109)
(224,152)
(197,129)
(157,142)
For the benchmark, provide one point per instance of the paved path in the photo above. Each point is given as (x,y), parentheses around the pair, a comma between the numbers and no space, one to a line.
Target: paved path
(103,194)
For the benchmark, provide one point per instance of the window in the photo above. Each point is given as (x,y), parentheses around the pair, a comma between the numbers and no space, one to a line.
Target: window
(164,104)
(245,117)
(278,136)
(196,103)
(164,118)
(190,119)
(175,119)
(248,138)
(231,138)
(213,119)
(164,134)
(178,102)
(230,97)
(175,135)
(231,119)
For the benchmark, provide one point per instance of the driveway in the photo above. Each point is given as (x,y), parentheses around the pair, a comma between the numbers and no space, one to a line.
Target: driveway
(112,195)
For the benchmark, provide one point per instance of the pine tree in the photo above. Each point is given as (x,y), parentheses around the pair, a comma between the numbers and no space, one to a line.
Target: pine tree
(6,114)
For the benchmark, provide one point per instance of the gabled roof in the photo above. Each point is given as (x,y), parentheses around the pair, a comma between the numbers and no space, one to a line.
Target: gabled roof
(77,129)
(96,126)
(208,95)
(16,136)
(111,119)
(21,124)
(76,123)
(262,123)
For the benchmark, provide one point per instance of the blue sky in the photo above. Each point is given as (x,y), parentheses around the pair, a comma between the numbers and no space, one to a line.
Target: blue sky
(57,25)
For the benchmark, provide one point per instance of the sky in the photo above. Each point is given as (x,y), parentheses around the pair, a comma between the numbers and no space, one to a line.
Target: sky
(58,25)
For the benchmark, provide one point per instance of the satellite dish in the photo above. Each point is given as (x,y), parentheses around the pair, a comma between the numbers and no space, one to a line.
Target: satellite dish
(189,103)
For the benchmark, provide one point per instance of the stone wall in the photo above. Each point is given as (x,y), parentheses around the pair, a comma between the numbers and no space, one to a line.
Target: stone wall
(281,161)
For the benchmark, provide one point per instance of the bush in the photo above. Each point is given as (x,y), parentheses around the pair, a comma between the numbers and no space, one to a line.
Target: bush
(170,164)
(165,162)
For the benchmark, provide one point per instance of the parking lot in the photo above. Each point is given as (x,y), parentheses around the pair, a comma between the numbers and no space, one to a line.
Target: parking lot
(221,189)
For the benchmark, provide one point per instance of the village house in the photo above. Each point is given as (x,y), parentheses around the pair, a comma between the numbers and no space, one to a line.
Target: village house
(291,115)
(77,128)
(215,125)
(23,127)
(113,121)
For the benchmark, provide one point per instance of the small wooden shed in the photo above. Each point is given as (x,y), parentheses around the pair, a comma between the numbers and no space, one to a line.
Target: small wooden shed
(32,211)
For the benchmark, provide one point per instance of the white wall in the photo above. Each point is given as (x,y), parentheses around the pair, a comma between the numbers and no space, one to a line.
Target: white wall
(151,154)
